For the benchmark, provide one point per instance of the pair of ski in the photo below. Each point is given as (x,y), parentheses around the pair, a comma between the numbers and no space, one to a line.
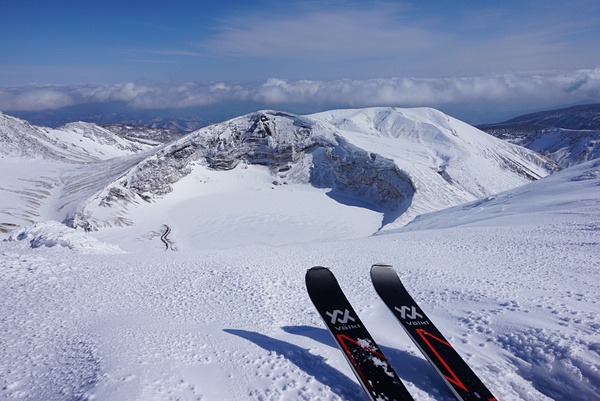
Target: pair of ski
(372,369)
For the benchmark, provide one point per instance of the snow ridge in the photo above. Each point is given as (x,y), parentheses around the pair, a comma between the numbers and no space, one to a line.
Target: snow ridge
(568,136)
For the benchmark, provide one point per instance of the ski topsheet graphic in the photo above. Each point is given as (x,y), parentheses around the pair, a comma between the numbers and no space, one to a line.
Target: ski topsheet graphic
(368,363)
(449,364)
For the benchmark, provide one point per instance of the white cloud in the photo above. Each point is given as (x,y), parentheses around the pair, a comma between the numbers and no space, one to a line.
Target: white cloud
(322,34)
(539,90)
(549,89)
(33,98)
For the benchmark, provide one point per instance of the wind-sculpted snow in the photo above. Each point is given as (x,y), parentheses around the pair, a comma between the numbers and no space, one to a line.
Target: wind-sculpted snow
(54,234)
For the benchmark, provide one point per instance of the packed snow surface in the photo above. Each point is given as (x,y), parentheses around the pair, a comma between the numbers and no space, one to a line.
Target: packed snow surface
(512,281)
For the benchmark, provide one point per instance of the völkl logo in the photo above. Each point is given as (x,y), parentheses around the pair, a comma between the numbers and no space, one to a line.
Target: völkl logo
(335,316)
(408,312)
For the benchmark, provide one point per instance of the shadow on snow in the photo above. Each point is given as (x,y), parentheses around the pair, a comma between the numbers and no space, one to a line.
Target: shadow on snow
(311,364)
(410,368)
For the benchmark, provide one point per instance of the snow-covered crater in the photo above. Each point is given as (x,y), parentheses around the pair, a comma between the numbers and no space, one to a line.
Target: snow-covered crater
(394,163)
(294,150)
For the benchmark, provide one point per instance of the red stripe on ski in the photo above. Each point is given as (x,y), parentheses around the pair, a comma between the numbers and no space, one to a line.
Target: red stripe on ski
(454,379)
(371,350)
(341,339)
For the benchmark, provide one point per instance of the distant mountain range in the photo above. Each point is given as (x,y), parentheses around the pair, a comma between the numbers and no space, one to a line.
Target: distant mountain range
(182,121)
(568,136)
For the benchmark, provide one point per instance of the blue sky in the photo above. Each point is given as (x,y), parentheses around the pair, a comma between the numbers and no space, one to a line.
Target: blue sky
(445,54)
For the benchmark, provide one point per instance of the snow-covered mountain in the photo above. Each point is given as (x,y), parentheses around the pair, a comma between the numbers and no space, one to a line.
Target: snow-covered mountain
(511,281)
(240,179)
(71,143)
(582,117)
(510,278)
(568,136)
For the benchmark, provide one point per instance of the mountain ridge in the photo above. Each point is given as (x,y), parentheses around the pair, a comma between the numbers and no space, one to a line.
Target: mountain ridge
(568,136)
(76,142)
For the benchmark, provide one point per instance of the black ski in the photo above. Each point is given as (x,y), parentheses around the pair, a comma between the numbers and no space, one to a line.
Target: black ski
(372,369)
(444,358)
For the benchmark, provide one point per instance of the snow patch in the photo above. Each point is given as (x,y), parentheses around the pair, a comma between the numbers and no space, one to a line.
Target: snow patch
(53,234)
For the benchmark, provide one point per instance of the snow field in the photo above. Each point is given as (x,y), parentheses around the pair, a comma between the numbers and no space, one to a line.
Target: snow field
(517,301)
(242,207)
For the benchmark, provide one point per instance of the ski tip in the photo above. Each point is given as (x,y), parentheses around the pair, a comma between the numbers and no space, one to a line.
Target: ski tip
(318,272)
(382,268)
(318,276)
(381,265)
(316,268)
(384,272)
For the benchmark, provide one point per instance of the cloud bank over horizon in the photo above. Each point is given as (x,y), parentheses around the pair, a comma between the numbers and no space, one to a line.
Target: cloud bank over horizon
(464,58)
(524,90)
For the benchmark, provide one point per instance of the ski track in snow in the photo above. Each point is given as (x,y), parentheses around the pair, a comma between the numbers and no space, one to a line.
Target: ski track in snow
(519,302)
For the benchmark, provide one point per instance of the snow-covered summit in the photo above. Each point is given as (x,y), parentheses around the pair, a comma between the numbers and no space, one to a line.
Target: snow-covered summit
(448,161)
(392,163)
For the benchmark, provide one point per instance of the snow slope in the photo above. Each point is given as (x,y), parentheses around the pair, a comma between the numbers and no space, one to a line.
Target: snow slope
(43,170)
(101,142)
(448,162)
(567,147)
(574,187)
(515,288)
